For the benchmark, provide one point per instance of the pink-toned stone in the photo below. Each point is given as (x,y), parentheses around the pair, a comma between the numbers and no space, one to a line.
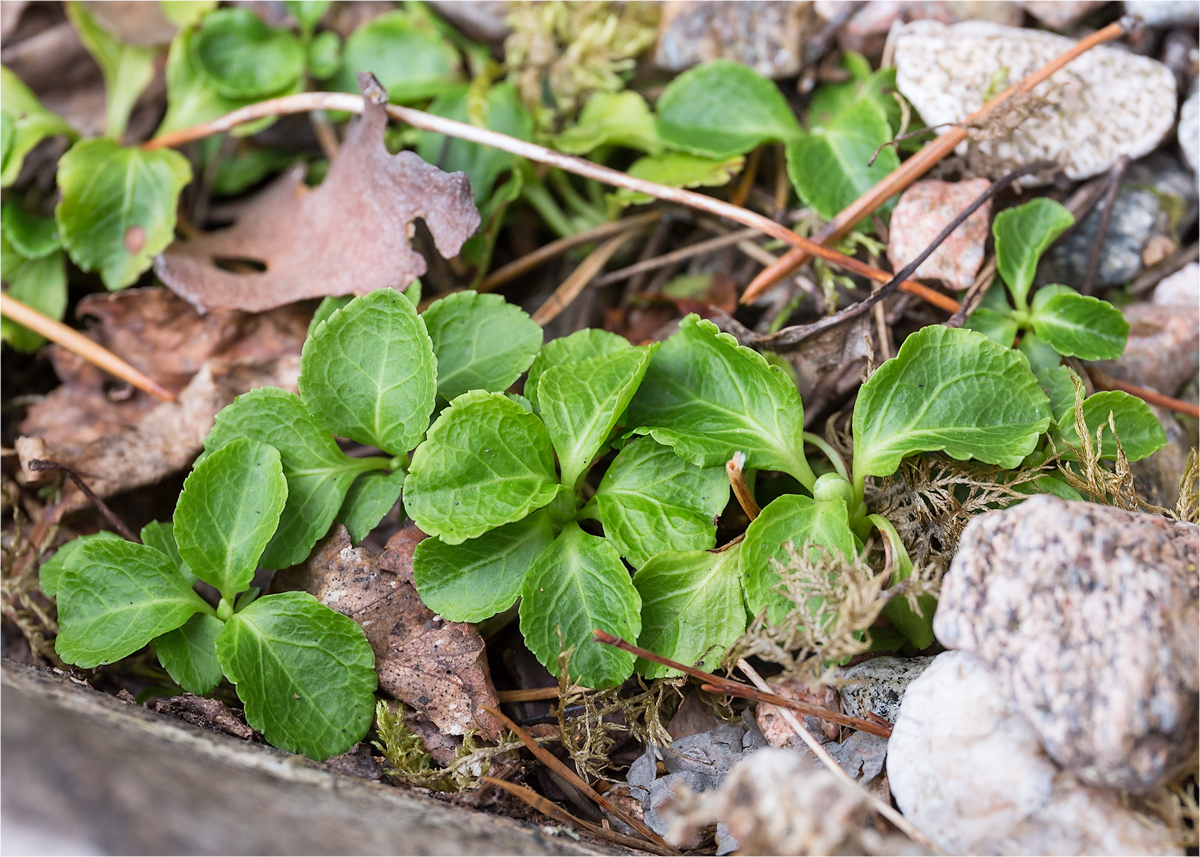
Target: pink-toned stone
(924,210)
(866,31)
(1161,352)
(776,730)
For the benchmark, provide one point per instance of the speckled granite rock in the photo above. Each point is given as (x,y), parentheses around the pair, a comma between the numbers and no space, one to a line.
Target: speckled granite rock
(878,685)
(968,770)
(1104,104)
(1088,615)
(923,211)
(766,35)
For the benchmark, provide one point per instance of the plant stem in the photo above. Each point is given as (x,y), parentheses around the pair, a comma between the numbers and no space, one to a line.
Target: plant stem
(543,203)
(830,453)
(737,481)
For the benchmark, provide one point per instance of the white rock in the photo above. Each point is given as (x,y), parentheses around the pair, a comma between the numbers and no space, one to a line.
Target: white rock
(1189,130)
(1180,289)
(969,771)
(1104,104)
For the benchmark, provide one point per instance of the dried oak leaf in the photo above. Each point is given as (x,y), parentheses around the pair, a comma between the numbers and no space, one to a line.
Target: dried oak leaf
(437,667)
(348,236)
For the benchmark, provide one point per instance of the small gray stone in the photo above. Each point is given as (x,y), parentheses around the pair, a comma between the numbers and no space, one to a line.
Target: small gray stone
(1088,616)
(1189,129)
(1165,13)
(1161,350)
(967,769)
(766,35)
(878,685)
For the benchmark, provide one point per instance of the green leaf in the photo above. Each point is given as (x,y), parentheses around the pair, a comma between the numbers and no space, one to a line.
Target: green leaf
(829,167)
(948,390)
(1040,353)
(189,654)
(38,283)
(1081,326)
(325,55)
(502,111)
(486,462)
(116,596)
(30,235)
(707,397)
(370,498)
(1022,235)
(118,207)
(305,673)
(318,473)
(482,342)
(26,123)
(412,61)
(477,579)
(915,625)
(612,119)
(368,373)
(691,608)
(577,585)
(50,571)
(1055,382)
(678,169)
(1139,430)
(723,108)
(160,535)
(228,511)
(328,306)
(580,345)
(127,69)
(999,327)
(243,58)
(582,402)
(796,520)
(184,13)
(651,500)
(308,13)
(829,100)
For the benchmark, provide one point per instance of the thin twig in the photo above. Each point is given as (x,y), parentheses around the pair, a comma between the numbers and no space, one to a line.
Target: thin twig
(555,764)
(578,279)
(734,469)
(975,293)
(882,807)
(1104,381)
(1112,185)
(77,343)
(924,160)
(735,688)
(534,694)
(674,256)
(40,465)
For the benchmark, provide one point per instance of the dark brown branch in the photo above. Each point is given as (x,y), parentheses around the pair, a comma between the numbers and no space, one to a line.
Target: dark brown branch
(41,465)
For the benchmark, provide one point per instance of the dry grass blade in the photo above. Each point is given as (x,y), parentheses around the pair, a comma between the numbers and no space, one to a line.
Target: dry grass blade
(533,694)
(555,764)
(77,343)
(580,277)
(920,163)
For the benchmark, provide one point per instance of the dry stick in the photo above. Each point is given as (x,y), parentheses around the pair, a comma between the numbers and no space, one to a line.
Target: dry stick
(528,262)
(533,694)
(40,465)
(305,101)
(882,807)
(1107,382)
(924,160)
(975,293)
(1110,197)
(734,468)
(578,279)
(676,256)
(555,764)
(730,687)
(77,343)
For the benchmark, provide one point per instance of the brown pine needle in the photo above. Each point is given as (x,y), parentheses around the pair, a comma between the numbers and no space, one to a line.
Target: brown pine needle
(1107,382)
(920,163)
(578,279)
(555,764)
(77,343)
(534,694)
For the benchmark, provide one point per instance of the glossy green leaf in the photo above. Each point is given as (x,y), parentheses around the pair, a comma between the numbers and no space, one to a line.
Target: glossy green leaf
(482,342)
(191,97)
(999,327)
(116,596)
(1139,430)
(243,58)
(411,60)
(691,608)
(708,397)
(118,207)
(678,169)
(228,511)
(477,579)
(652,500)
(830,168)
(318,473)
(1055,382)
(486,462)
(27,123)
(612,119)
(580,345)
(189,654)
(38,283)
(1022,235)
(127,69)
(30,235)
(949,390)
(723,108)
(370,498)
(581,403)
(1040,353)
(796,520)
(830,99)
(368,373)
(577,585)
(50,571)
(160,535)
(305,674)
(501,110)
(1081,326)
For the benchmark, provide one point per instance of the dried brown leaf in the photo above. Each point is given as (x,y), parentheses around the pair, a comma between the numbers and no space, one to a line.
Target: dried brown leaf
(437,667)
(348,236)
